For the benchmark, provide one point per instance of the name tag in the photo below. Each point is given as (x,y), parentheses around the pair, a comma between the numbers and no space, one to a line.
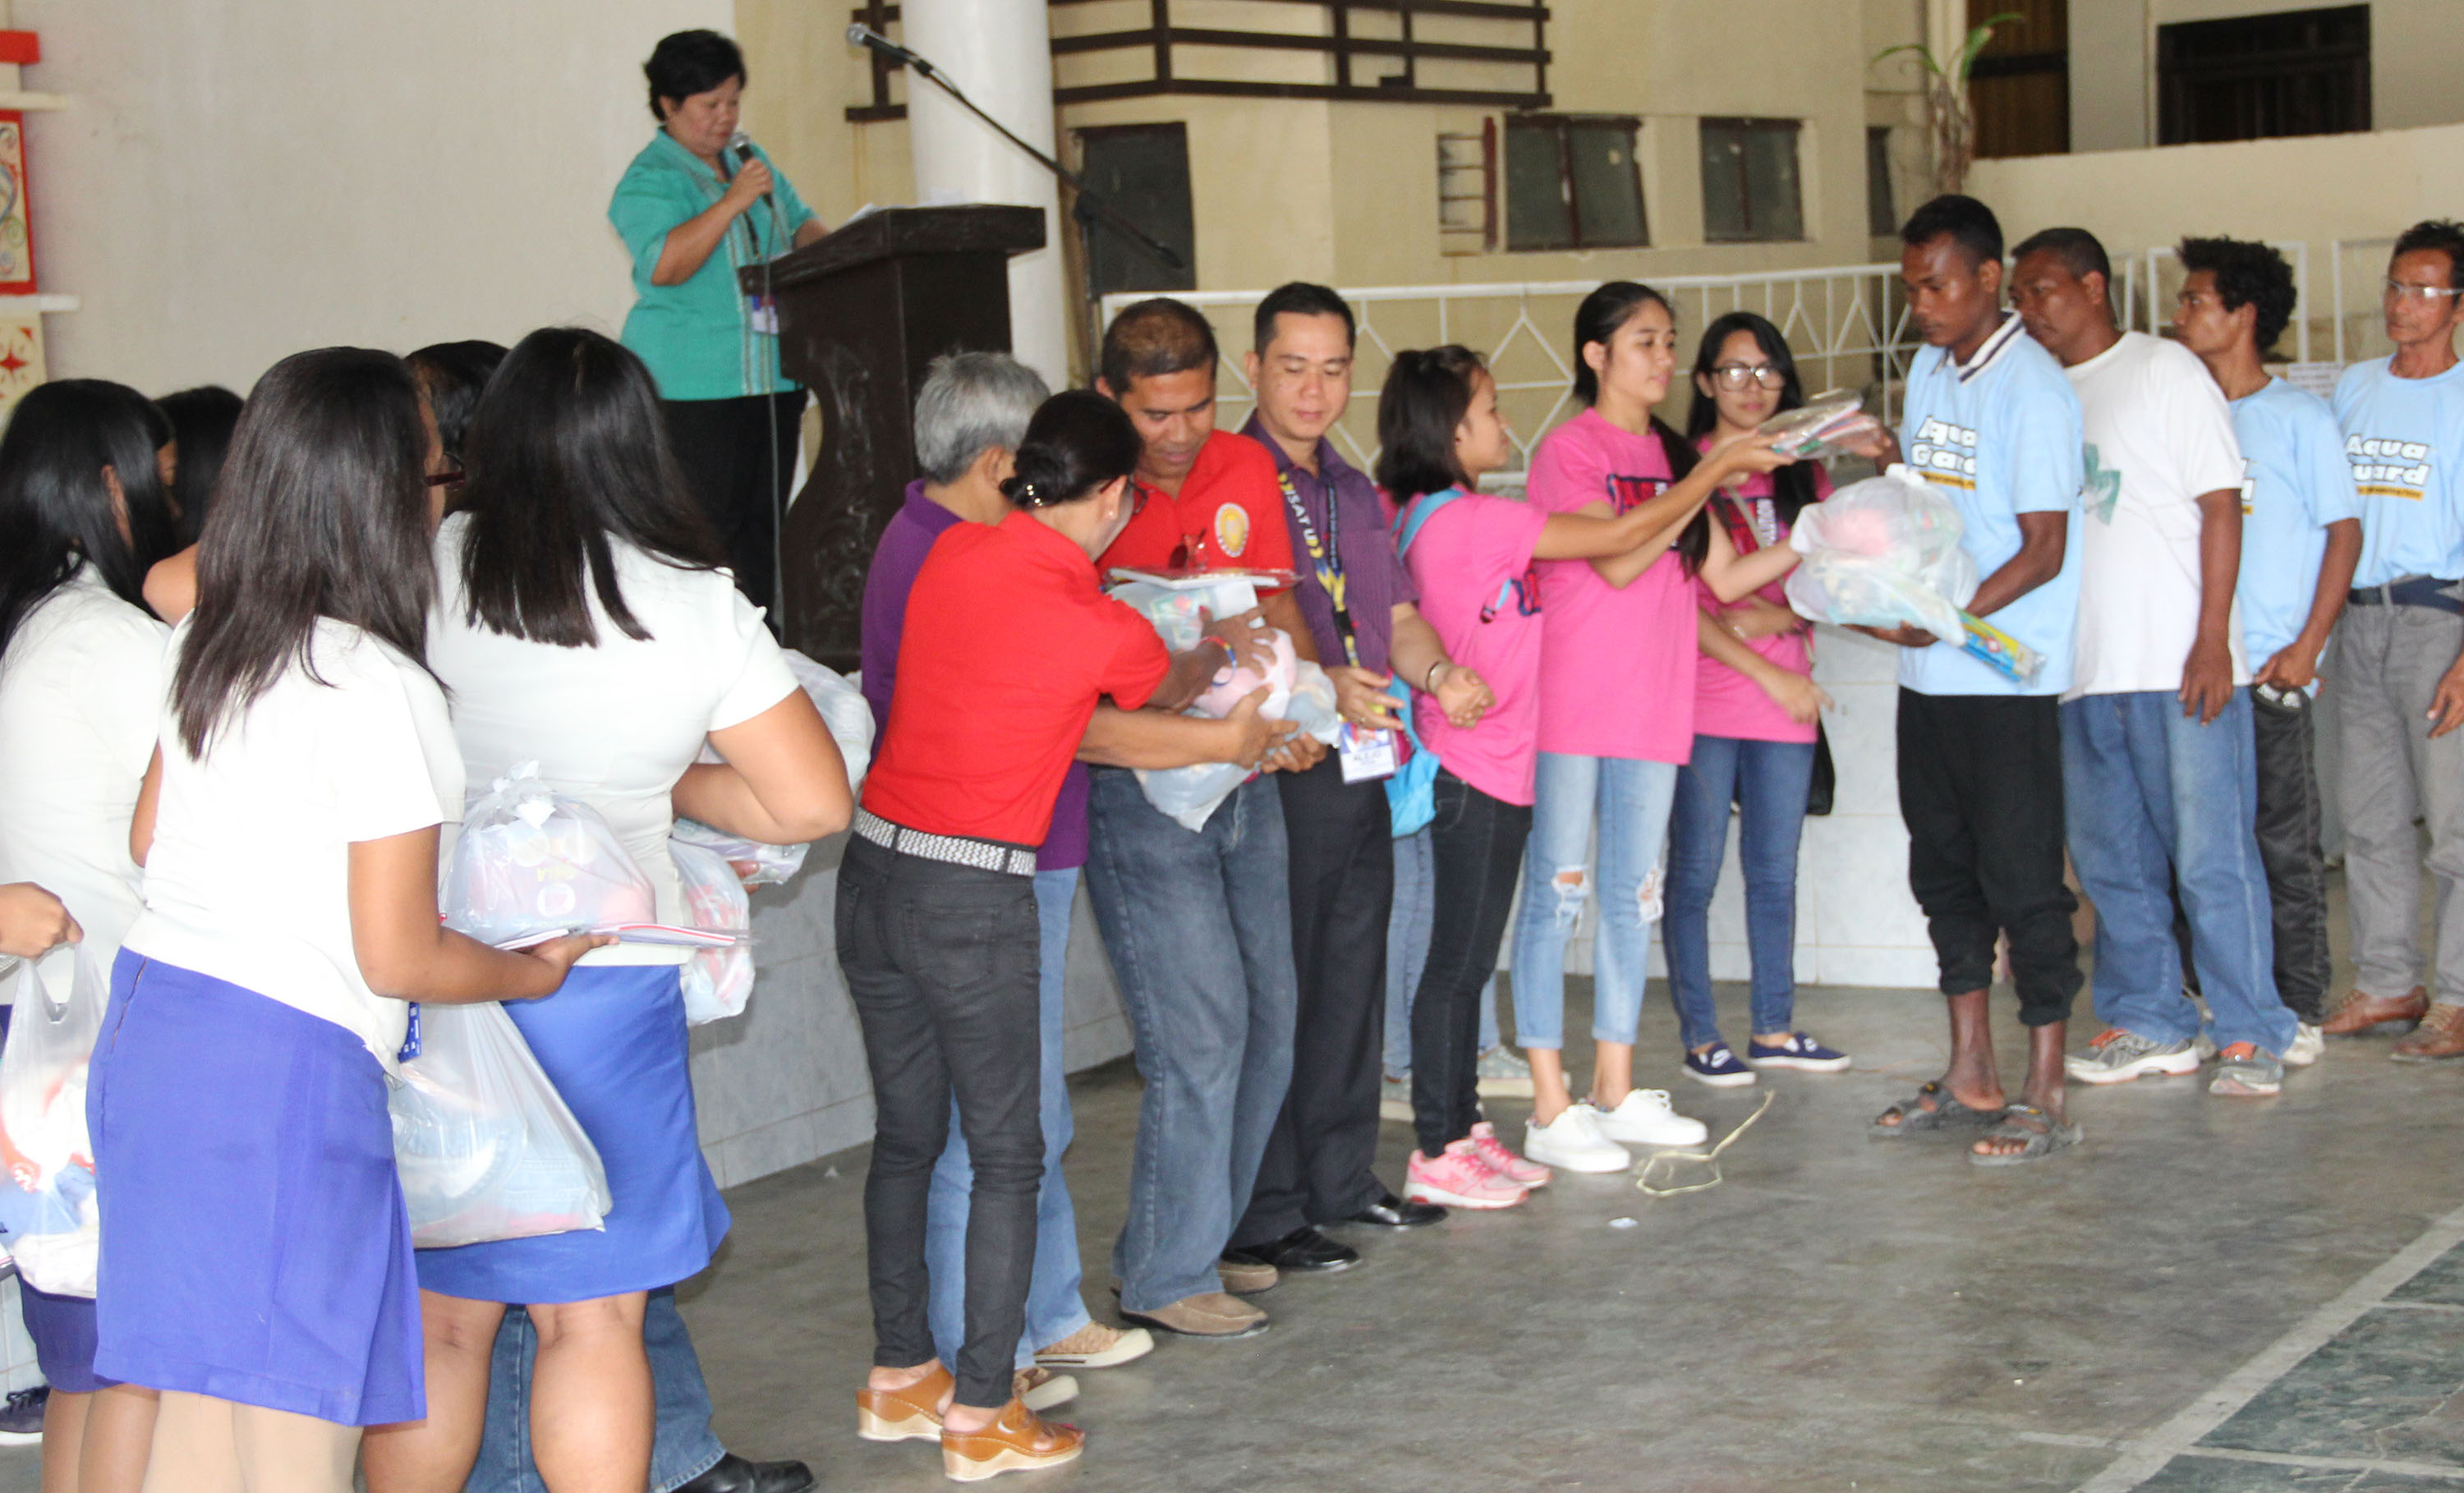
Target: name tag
(1366,752)
(762,312)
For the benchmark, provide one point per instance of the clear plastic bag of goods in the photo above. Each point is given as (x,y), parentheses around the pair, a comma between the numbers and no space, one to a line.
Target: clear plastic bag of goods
(530,861)
(754,862)
(48,1204)
(486,1147)
(1883,553)
(1814,428)
(1172,602)
(844,709)
(717,981)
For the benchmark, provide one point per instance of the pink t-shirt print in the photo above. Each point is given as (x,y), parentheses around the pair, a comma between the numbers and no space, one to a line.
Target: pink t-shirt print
(1726,702)
(1616,665)
(1472,562)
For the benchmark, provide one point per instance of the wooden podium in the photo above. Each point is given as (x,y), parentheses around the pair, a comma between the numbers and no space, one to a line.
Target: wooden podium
(862,314)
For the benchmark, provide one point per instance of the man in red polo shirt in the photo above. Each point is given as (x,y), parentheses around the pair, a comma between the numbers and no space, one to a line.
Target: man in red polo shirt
(1199,924)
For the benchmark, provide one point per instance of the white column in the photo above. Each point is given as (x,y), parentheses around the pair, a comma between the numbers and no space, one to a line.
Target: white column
(999,52)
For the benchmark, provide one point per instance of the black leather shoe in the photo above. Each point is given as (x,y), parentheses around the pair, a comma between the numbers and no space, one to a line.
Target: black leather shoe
(1391,1212)
(1304,1251)
(733,1474)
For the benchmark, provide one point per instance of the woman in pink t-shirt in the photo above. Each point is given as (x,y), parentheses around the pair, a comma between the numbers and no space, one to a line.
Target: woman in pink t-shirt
(1755,708)
(1617,662)
(1472,558)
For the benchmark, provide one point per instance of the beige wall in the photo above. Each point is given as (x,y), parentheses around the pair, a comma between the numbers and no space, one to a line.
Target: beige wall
(2416,50)
(239,182)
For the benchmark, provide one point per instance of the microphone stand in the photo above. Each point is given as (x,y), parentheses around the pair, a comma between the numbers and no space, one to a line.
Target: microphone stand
(1089,209)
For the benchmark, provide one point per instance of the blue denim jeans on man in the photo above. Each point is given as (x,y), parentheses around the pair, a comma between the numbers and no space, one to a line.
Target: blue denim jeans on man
(1054,1308)
(1630,799)
(1200,929)
(2152,799)
(1407,951)
(1767,781)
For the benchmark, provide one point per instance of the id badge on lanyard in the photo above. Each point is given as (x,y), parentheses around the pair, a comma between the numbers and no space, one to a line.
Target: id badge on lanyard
(762,313)
(1367,753)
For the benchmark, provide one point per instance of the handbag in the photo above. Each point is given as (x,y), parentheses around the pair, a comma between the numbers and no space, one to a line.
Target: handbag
(1826,777)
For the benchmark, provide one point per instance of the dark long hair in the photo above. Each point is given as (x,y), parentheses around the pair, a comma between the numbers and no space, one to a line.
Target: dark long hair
(55,505)
(565,453)
(1793,485)
(1076,442)
(1597,319)
(1428,391)
(322,511)
(452,375)
(201,420)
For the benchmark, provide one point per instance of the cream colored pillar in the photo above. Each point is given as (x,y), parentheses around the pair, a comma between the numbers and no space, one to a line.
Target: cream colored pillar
(1000,53)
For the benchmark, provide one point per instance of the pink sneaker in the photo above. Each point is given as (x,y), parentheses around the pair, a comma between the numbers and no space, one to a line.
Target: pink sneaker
(1508,1166)
(1459,1178)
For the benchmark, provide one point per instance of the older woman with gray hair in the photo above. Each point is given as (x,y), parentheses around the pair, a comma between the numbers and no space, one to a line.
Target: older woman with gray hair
(970,417)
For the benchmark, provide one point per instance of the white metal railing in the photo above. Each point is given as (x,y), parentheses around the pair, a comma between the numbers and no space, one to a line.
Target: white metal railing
(1846,324)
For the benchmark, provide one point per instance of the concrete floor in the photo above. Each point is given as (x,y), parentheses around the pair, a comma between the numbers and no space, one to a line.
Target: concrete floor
(2210,1296)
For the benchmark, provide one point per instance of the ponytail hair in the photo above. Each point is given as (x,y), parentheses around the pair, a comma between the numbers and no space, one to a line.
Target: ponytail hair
(1428,393)
(1077,443)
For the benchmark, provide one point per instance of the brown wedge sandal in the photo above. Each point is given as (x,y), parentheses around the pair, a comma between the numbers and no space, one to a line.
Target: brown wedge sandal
(1018,1442)
(912,1413)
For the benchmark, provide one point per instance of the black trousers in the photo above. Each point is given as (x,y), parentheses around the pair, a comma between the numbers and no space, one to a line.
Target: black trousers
(1317,1168)
(1476,853)
(738,477)
(2289,811)
(1981,792)
(943,962)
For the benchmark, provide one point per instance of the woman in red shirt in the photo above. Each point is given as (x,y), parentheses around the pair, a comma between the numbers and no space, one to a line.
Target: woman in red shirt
(937,928)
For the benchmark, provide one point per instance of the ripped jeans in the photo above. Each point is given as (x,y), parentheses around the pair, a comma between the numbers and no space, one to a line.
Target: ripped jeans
(1631,801)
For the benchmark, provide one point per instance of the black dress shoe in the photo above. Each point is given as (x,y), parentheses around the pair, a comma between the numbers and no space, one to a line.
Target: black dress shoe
(733,1474)
(1391,1212)
(1304,1251)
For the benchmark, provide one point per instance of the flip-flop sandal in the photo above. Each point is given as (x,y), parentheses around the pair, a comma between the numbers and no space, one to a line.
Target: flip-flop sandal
(1947,1114)
(2040,1142)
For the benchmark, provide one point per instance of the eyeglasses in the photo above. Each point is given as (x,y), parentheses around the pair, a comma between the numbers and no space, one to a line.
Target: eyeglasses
(2398,290)
(1737,374)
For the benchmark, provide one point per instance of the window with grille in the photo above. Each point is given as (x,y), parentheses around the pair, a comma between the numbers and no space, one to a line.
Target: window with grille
(1572,182)
(2258,76)
(1749,187)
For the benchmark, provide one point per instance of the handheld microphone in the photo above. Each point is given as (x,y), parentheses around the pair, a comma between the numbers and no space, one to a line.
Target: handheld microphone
(740,144)
(862,35)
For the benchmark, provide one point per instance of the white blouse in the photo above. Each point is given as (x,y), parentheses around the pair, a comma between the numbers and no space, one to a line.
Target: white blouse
(613,726)
(81,690)
(248,879)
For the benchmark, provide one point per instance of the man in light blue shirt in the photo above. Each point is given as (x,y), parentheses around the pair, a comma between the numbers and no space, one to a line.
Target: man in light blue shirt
(2399,677)
(1992,424)
(2300,537)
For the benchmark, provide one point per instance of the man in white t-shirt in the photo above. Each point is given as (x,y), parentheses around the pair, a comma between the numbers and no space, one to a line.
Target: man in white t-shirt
(2159,774)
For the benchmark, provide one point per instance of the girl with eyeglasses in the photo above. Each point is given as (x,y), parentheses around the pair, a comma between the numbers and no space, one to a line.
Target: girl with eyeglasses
(1755,708)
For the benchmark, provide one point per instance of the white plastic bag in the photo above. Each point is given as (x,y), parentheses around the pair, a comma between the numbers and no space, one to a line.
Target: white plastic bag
(1883,552)
(844,709)
(529,861)
(46,1204)
(485,1147)
(717,981)
(754,862)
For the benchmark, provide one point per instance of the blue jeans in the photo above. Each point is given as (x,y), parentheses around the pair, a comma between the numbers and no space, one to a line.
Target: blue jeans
(1200,929)
(683,1448)
(1768,781)
(1631,799)
(1053,1309)
(1407,952)
(2152,798)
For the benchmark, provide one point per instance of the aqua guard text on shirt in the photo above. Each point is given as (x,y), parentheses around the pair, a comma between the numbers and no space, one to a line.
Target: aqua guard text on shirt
(1943,452)
(2389,469)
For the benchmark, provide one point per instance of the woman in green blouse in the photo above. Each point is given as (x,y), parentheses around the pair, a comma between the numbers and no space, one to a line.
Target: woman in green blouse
(692,211)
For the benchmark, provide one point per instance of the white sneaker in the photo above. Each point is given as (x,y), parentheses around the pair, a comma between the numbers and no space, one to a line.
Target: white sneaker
(1645,1117)
(2309,1044)
(1573,1141)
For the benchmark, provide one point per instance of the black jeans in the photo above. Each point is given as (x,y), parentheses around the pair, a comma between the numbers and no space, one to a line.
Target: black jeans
(1981,793)
(1319,1156)
(2289,808)
(1476,846)
(942,961)
(739,479)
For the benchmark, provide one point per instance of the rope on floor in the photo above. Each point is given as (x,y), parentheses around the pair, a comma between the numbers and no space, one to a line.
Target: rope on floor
(1673,1160)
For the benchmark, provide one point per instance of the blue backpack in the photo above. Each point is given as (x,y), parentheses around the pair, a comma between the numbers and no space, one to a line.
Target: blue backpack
(1411,794)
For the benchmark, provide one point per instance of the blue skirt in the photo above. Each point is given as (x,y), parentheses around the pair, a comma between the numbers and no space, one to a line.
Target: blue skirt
(612,1040)
(255,1246)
